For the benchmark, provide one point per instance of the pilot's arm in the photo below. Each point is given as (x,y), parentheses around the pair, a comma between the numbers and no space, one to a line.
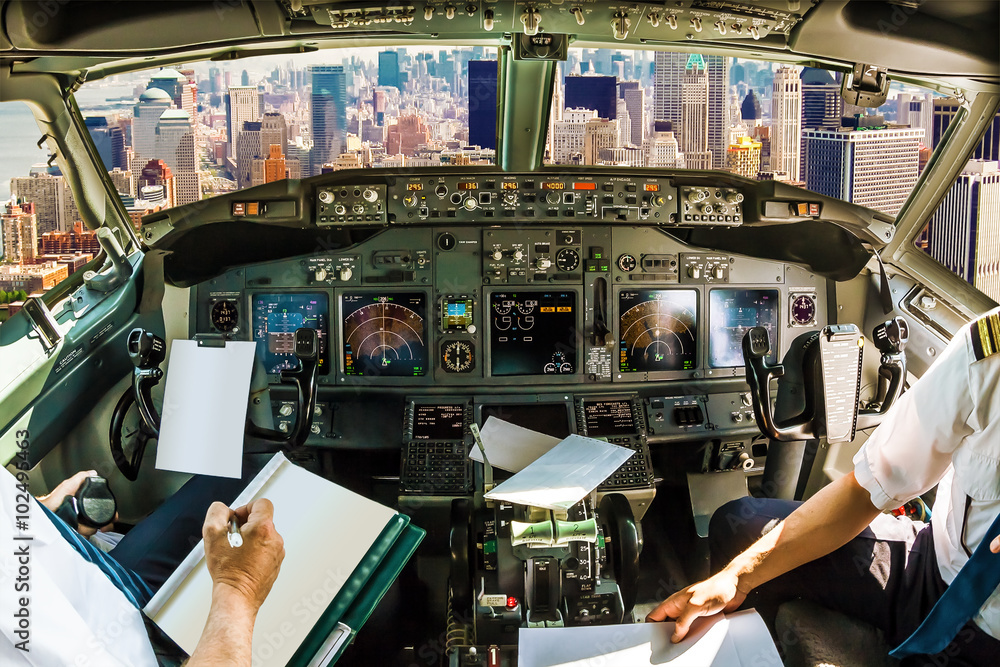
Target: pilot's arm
(241,579)
(825,522)
(906,455)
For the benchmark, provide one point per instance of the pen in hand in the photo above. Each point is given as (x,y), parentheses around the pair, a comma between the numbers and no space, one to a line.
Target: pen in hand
(235,537)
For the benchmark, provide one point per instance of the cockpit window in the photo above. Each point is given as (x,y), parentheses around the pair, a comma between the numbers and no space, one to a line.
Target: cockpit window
(761,120)
(171,136)
(43,240)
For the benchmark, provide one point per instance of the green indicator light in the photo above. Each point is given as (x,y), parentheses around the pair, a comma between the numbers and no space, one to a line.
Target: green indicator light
(490,547)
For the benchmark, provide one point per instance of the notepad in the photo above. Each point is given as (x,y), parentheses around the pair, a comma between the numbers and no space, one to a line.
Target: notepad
(328,531)
(734,640)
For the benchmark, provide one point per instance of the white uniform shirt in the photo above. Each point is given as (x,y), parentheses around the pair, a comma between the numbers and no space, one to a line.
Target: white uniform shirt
(74,614)
(945,430)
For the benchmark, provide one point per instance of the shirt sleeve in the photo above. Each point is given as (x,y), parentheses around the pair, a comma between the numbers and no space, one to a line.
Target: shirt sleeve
(911,449)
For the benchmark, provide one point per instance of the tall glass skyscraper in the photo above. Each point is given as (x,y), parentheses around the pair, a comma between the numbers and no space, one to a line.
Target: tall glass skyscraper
(483,103)
(329,115)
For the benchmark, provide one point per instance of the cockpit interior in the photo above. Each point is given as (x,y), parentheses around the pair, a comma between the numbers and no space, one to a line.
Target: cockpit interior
(742,335)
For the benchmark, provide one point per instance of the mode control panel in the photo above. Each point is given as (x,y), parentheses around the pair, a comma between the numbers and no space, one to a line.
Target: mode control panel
(720,206)
(339,204)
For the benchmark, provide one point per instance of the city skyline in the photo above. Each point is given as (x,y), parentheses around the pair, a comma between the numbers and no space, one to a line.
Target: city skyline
(205,129)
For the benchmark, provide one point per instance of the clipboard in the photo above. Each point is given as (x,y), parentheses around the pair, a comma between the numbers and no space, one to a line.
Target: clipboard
(351,554)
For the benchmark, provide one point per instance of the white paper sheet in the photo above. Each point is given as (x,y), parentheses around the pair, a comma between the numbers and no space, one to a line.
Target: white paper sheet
(511,447)
(564,475)
(739,640)
(205,408)
(327,530)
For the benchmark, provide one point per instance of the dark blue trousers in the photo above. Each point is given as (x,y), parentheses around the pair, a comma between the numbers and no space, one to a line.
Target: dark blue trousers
(887,576)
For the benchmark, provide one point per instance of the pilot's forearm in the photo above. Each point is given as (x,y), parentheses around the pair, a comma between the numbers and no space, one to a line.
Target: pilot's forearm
(824,523)
(228,634)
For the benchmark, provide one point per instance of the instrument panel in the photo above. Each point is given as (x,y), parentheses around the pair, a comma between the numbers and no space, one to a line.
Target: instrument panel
(638,306)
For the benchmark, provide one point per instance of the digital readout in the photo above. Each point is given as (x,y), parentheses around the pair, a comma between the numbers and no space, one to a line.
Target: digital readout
(652,187)
(414,187)
(470,185)
(508,185)
(553,185)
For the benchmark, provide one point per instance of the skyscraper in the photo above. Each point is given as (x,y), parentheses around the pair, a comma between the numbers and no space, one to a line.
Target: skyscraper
(694,114)
(718,108)
(822,105)
(145,115)
(248,149)
(273,131)
(669,66)
(786,122)
(635,102)
(743,157)
(329,114)
(55,207)
(20,232)
(964,233)
(100,134)
(598,134)
(388,69)
(944,112)
(242,105)
(876,168)
(568,135)
(483,103)
(599,93)
(917,111)
(175,146)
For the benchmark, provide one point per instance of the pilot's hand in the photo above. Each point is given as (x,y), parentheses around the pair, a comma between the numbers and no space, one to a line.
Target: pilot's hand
(68,488)
(248,571)
(715,594)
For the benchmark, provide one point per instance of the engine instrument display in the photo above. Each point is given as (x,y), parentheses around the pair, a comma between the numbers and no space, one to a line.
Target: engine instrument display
(276,317)
(657,330)
(606,418)
(384,334)
(731,313)
(438,422)
(533,333)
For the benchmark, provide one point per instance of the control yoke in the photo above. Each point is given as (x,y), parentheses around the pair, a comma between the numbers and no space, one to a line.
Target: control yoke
(804,365)
(147,351)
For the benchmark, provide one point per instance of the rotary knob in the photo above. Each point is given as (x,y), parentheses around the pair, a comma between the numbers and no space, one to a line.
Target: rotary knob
(470,204)
(370,195)
(543,263)
(326,196)
(285,410)
(345,273)
(410,201)
(497,255)
(552,198)
(339,209)
(518,255)
(694,271)
(319,274)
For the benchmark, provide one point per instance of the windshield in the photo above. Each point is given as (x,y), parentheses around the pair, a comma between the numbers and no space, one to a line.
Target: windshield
(761,120)
(171,136)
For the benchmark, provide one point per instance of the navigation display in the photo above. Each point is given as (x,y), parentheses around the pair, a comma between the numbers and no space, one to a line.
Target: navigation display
(533,333)
(276,317)
(731,312)
(657,330)
(438,422)
(606,418)
(384,334)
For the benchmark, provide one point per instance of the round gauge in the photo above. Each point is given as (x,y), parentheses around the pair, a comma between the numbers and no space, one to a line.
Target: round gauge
(627,263)
(567,260)
(458,356)
(803,309)
(446,241)
(225,315)
(527,306)
(386,338)
(503,307)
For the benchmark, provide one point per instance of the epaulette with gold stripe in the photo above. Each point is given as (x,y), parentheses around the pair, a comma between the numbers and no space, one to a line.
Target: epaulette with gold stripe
(985,333)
